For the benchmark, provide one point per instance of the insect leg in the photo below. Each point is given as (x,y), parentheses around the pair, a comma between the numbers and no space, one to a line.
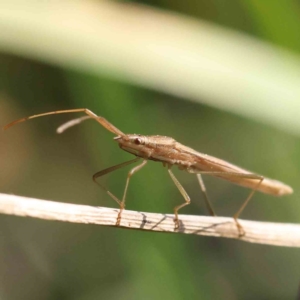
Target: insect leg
(241,175)
(130,173)
(111,169)
(236,215)
(207,202)
(183,193)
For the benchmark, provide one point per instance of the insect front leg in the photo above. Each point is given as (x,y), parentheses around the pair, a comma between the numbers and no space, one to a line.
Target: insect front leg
(130,173)
(183,193)
(111,169)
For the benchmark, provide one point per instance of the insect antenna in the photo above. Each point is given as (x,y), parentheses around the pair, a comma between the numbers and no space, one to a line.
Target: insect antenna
(71,123)
(106,124)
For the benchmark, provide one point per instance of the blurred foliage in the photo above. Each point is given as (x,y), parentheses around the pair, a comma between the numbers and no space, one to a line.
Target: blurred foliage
(48,260)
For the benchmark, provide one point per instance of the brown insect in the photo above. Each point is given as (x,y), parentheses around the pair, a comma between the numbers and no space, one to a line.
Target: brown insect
(166,150)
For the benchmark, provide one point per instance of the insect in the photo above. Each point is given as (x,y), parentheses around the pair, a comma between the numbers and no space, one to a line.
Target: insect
(169,152)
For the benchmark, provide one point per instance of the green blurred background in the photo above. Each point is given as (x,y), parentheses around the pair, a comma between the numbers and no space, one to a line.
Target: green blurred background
(52,260)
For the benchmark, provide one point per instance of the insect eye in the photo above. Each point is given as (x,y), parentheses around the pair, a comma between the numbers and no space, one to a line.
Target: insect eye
(137,141)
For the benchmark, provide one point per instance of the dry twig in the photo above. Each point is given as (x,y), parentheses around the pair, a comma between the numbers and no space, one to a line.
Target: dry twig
(277,234)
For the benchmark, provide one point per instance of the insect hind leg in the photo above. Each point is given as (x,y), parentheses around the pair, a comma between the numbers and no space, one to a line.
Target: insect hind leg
(236,215)
(240,175)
